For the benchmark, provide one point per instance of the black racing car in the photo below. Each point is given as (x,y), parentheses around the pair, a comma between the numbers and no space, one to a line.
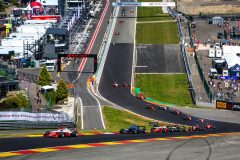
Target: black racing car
(133,130)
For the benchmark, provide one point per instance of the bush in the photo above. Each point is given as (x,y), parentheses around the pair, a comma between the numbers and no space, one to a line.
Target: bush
(16,101)
(62,91)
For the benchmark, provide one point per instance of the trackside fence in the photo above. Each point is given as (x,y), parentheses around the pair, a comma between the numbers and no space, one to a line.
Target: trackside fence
(184,54)
(14,125)
(102,54)
(200,71)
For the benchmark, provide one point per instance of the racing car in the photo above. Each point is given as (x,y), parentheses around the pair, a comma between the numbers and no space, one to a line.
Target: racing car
(117,33)
(151,108)
(176,128)
(61,132)
(115,85)
(187,118)
(209,126)
(202,120)
(175,112)
(198,128)
(126,85)
(159,129)
(133,130)
(162,108)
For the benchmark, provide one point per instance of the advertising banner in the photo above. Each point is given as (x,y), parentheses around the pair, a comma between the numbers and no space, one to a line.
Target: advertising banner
(34,117)
(48,2)
(158,4)
(144,4)
(221,105)
(226,105)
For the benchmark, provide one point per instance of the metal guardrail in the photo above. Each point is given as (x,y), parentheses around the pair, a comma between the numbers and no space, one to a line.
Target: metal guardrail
(14,125)
(106,44)
(202,77)
(176,16)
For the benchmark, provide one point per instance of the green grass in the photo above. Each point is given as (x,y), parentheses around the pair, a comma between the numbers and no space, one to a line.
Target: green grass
(116,119)
(151,13)
(157,33)
(172,88)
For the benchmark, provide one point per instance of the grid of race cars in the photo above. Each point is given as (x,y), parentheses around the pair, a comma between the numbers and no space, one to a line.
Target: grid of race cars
(200,124)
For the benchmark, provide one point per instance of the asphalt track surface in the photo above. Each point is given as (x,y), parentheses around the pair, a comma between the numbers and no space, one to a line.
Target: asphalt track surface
(118,68)
(214,148)
(14,144)
(159,59)
(91,112)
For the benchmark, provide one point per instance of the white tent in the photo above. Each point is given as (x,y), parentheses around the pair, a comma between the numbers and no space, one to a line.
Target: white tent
(28,8)
(231,54)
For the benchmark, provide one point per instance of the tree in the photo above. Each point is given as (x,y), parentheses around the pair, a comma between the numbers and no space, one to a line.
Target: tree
(44,77)
(1,5)
(62,91)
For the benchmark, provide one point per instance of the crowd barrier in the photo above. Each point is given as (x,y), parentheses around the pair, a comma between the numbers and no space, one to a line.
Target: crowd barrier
(203,79)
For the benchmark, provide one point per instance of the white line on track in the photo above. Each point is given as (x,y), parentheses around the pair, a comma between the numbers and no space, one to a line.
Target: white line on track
(140,66)
(82,123)
(134,53)
(81,66)
(99,105)
(94,37)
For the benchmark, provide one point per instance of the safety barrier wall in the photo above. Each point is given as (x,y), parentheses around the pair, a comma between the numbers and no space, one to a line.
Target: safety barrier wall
(184,54)
(200,71)
(13,125)
(25,120)
(34,117)
(102,54)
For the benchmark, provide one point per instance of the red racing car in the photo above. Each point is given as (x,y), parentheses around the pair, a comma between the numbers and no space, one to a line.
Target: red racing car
(61,133)
(160,129)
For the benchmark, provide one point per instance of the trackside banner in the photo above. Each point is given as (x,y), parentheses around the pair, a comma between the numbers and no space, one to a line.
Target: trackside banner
(144,4)
(34,117)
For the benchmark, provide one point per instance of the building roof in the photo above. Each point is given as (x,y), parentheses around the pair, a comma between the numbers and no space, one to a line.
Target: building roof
(58,31)
(214,18)
(231,55)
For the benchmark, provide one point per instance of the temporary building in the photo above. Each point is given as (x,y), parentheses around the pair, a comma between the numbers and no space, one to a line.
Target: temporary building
(211,53)
(217,20)
(231,54)
(218,53)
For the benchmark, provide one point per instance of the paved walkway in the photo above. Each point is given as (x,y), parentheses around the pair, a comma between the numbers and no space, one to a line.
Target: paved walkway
(197,82)
(38,101)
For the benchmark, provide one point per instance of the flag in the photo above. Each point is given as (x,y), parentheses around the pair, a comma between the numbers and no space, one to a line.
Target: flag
(68,26)
(78,13)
